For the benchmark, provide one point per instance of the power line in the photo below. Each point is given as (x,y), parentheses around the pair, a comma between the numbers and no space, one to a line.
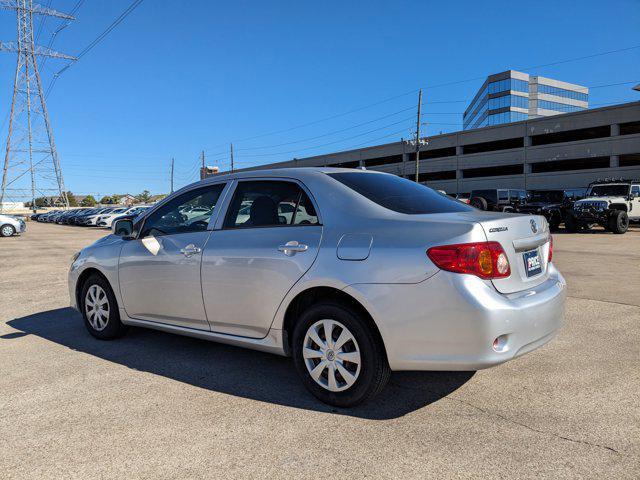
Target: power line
(95,41)
(328,133)
(404,120)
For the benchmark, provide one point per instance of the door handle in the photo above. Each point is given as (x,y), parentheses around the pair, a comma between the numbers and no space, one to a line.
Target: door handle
(190,250)
(292,247)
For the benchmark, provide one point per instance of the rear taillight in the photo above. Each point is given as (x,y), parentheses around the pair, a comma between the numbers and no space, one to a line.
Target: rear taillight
(484,259)
(550,247)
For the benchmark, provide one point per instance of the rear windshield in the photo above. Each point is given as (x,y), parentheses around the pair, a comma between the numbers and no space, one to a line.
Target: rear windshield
(399,194)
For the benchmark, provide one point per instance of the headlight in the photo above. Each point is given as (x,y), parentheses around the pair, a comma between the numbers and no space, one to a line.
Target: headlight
(74,257)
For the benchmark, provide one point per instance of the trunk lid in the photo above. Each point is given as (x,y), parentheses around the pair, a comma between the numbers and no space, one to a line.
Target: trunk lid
(525,240)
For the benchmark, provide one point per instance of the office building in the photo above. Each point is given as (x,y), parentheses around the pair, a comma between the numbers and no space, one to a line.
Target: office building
(513,96)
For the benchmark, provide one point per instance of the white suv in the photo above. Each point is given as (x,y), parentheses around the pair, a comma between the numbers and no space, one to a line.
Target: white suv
(609,203)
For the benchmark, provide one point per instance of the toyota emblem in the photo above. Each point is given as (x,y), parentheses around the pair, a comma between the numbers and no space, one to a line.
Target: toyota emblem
(534,226)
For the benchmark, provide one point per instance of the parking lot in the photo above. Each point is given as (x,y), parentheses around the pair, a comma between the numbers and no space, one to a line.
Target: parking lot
(155,405)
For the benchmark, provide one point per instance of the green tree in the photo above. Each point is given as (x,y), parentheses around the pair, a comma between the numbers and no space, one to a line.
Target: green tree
(144,196)
(88,201)
(105,200)
(115,198)
(72,200)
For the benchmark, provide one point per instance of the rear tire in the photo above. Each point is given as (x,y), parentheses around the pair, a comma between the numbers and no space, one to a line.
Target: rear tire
(7,230)
(338,372)
(618,222)
(479,203)
(100,309)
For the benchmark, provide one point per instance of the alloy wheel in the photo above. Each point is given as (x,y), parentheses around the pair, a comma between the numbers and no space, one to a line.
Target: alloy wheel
(7,231)
(331,355)
(96,306)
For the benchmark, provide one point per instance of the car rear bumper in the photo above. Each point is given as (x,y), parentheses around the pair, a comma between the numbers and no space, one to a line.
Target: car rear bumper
(450,321)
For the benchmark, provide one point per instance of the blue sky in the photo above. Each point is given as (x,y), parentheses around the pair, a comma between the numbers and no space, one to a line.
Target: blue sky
(177,77)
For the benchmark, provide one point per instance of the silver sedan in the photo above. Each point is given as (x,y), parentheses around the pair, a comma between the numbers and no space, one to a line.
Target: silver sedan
(352,273)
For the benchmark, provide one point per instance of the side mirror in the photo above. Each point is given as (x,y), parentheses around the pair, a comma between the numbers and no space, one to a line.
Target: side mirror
(123,228)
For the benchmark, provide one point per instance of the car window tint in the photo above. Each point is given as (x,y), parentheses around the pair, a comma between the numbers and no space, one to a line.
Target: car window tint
(399,194)
(269,204)
(635,190)
(189,212)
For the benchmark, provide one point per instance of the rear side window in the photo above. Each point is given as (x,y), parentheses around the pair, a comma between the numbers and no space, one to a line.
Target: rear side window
(399,194)
(269,204)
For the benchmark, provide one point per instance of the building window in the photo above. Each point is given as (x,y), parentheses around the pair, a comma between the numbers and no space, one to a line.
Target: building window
(629,160)
(375,162)
(573,164)
(509,84)
(559,107)
(499,171)
(506,117)
(629,128)
(561,92)
(493,146)
(571,135)
(437,153)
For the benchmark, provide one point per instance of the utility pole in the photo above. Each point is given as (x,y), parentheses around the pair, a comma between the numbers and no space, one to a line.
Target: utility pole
(171,174)
(232,158)
(202,169)
(31,163)
(418,137)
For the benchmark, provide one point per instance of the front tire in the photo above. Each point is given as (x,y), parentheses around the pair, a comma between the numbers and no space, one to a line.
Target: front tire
(7,230)
(618,222)
(100,309)
(337,355)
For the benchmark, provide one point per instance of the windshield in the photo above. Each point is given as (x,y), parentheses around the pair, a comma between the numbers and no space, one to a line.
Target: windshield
(399,194)
(548,196)
(616,190)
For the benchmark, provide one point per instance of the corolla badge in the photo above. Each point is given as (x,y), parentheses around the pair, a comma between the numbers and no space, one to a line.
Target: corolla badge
(534,226)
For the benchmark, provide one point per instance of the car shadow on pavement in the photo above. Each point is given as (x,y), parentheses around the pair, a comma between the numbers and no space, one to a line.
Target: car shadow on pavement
(231,370)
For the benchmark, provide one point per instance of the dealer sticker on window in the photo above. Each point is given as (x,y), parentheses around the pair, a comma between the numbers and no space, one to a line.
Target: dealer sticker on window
(532,263)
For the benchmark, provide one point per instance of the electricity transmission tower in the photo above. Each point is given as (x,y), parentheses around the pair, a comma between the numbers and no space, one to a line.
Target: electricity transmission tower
(31,163)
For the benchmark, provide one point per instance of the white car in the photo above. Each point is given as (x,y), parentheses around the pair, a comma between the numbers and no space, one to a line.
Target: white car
(92,220)
(107,219)
(10,225)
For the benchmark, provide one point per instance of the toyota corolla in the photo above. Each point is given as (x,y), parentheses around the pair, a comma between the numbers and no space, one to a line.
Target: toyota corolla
(352,273)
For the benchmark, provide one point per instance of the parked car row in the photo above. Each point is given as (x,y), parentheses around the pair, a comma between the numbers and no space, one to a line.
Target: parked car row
(610,203)
(89,217)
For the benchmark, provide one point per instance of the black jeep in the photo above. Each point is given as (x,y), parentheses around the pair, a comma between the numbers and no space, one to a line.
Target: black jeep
(497,199)
(553,204)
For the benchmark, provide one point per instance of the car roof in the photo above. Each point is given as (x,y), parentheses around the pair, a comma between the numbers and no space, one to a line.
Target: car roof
(297,172)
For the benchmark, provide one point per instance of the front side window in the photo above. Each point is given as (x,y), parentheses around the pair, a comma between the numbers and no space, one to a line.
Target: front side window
(270,204)
(189,212)
(635,190)
(399,194)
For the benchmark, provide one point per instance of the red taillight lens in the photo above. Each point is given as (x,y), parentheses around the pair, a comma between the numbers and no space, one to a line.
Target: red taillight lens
(550,247)
(484,259)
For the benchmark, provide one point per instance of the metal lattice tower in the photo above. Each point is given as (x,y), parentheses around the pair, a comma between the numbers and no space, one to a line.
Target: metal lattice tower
(31,163)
